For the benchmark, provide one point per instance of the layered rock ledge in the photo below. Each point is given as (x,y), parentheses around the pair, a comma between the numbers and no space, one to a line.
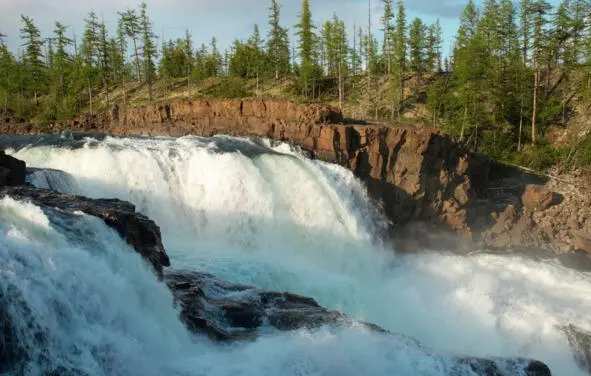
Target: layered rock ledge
(140,232)
(428,185)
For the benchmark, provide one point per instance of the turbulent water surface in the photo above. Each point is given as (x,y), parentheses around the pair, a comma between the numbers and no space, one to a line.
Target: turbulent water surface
(258,214)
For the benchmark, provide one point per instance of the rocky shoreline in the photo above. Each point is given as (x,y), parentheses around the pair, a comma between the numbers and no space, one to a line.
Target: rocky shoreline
(209,305)
(428,186)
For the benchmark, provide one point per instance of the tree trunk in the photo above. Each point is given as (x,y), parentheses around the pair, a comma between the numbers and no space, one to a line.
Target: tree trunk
(106,80)
(188,84)
(90,96)
(401,98)
(464,124)
(476,139)
(150,94)
(340,87)
(137,60)
(520,125)
(535,107)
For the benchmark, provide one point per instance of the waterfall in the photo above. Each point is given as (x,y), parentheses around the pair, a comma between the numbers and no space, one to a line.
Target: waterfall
(261,214)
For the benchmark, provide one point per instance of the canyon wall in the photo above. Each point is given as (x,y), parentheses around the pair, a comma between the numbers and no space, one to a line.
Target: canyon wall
(427,184)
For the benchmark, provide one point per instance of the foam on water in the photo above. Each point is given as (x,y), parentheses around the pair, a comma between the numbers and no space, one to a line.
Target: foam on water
(259,215)
(77,298)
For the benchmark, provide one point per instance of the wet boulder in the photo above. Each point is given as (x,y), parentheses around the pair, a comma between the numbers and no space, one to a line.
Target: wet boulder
(139,231)
(12,171)
(227,311)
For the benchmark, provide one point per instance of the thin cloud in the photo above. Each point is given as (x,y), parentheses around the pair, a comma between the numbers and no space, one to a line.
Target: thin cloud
(226,19)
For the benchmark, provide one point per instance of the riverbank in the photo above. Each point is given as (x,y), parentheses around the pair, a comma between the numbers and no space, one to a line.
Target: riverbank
(428,186)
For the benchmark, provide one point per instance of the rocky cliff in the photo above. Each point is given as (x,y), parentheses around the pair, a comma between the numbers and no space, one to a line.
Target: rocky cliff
(427,184)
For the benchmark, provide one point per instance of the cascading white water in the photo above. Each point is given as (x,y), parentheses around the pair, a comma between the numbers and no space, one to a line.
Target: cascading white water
(268,217)
(79,299)
(85,301)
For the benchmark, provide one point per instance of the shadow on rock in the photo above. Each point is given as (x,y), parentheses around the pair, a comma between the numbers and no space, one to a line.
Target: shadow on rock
(227,311)
(580,343)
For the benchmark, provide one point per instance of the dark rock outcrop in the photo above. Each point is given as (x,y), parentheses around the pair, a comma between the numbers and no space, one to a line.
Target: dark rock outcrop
(138,230)
(580,343)
(228,311)
(12,170)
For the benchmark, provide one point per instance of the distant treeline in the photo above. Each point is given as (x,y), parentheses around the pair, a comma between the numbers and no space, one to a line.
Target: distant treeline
(515,69)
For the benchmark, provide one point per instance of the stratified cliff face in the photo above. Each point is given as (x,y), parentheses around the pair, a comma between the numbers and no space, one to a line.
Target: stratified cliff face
(417,174)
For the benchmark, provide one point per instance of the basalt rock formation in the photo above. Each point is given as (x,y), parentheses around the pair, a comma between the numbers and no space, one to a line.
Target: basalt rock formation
(138,230)
(415,173)
(227,311)
(428,185)
(12,170)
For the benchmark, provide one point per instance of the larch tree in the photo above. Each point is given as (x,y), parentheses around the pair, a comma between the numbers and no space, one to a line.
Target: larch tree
(401,44)
(188,52)
(130,25)
(104,59)
(388,29)
(8,73)
(277,41)
(416,43)
(33,57)
(149,49)
(539,12)
(306,46)
(61,57)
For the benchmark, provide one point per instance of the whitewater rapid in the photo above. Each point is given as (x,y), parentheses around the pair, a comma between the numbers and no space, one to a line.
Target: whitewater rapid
(258,214)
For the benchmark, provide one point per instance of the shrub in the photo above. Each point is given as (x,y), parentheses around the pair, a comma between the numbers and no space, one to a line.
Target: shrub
(229,88)
(541,157)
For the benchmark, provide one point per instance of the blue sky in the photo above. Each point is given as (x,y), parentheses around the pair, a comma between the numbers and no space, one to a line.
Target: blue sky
(226,19)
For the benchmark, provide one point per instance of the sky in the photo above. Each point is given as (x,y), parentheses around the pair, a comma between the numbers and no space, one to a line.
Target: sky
(224,19)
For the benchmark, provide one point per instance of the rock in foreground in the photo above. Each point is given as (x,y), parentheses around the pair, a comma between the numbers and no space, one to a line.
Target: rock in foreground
(12,170)
(227,311)
(138,230)
(580,343)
